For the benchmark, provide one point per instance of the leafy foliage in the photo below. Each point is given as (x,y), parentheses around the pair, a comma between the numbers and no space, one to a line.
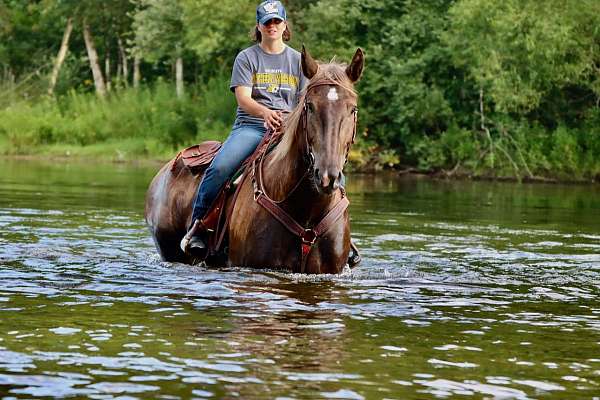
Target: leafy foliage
(216,33)
(159,29)
(507,88)
(520,51)
(150,115)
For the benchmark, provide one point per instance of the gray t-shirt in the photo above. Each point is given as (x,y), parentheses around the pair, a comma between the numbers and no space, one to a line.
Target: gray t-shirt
(276,79)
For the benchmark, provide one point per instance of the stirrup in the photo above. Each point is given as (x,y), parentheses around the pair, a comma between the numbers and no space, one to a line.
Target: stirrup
(354,258)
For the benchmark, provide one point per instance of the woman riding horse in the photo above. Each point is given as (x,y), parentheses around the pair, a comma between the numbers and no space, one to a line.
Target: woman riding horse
(266,80)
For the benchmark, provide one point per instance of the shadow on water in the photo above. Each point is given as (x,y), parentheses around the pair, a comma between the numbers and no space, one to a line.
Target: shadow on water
(467,289)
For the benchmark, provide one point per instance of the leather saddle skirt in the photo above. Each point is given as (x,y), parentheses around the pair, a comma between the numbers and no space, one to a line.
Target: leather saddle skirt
(199,156)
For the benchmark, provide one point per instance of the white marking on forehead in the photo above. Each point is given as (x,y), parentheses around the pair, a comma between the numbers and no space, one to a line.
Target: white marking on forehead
(332,95)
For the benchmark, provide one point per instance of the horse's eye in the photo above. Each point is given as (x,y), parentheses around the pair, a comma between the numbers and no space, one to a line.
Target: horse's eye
(311,107)
(354,110)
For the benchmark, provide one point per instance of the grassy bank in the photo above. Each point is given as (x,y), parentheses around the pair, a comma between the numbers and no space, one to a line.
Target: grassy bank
(150,123)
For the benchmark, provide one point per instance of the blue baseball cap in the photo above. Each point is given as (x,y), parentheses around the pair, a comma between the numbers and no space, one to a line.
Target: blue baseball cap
(269,10)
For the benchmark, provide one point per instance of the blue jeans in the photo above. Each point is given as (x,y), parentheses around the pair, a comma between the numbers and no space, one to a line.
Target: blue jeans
(242,142)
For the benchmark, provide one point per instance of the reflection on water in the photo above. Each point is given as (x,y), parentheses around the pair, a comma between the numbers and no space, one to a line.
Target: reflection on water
(467,289)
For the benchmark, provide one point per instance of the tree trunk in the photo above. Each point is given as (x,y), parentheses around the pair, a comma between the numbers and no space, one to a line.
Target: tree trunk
(107,71)
(10,76)
(124,64)
(179,76)
(136,71)
(93,56)
(119,71)
(60,58)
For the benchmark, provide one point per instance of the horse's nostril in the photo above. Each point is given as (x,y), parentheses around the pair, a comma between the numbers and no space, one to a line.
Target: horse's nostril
(337,182)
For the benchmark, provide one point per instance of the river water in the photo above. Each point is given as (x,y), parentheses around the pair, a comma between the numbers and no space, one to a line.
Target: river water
(466,290)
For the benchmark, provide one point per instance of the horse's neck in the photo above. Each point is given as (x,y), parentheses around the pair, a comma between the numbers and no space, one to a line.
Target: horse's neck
(283,175)
(289,178)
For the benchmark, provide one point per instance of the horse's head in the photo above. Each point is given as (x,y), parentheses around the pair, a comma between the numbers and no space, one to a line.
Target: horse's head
(329,116)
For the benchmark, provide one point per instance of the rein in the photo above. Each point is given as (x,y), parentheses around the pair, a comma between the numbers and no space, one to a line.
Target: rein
(308,236)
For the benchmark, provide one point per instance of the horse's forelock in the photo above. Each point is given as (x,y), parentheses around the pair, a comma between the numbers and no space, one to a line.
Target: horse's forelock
(332,72)
(327,72)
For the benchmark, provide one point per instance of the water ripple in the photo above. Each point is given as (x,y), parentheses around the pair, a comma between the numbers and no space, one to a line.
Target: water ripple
(448,290)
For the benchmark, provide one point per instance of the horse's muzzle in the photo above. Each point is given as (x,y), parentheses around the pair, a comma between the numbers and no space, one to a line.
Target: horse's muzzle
(328,181)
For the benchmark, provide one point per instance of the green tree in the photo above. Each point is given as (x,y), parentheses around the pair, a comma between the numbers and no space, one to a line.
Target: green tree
(536,69)
(160,32)
(26,35)
(519,51)
(217,32)
(409,82)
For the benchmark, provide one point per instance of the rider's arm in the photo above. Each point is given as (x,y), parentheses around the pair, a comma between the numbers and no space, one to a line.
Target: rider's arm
(243,95)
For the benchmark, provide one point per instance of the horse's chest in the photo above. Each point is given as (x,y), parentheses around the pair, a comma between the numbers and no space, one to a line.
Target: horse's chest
(264,243)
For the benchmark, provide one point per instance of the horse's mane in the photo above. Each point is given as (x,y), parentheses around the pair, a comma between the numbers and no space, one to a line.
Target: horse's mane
(326,73)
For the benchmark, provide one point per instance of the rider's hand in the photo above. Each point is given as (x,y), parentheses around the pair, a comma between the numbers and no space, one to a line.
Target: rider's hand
(273,119)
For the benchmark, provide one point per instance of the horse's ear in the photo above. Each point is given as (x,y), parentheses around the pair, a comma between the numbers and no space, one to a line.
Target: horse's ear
(309,65)
(355,69)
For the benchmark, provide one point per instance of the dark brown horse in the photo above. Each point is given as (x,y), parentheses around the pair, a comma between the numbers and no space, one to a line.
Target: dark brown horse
(301,175)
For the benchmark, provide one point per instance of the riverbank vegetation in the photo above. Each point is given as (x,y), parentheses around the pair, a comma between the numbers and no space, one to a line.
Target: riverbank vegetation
(454,87)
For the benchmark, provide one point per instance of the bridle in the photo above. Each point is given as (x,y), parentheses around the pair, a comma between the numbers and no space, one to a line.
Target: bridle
(309,156)
(308,236)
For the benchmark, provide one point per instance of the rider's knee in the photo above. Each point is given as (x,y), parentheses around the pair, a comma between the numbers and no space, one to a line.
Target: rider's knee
(223,170)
